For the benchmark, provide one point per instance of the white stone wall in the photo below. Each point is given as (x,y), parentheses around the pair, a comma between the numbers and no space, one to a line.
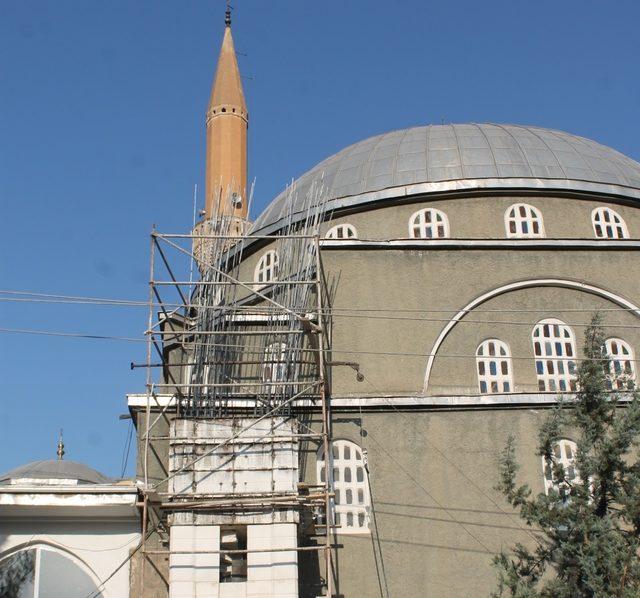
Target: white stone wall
(263,458)
(272,574)
(194,575)
(269,574)
(100,547)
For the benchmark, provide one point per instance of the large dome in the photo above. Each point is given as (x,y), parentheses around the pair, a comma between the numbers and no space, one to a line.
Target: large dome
(437,158)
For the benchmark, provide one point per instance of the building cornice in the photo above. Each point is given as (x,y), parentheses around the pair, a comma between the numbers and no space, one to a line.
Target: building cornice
(139,401)
(603,244)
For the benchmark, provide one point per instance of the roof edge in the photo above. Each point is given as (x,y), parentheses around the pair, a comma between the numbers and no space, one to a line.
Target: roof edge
(405,192)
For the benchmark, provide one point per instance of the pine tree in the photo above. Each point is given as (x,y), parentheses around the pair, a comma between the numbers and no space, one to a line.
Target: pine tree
(587,528)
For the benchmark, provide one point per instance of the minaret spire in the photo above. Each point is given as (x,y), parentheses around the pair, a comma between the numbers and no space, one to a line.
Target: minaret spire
(227,122)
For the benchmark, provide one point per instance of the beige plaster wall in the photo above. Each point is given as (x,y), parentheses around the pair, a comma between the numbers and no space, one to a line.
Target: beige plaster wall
(483,217)
(445,281)
(439,519)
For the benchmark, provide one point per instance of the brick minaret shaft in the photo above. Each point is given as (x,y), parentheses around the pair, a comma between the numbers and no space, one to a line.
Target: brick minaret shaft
(227,122)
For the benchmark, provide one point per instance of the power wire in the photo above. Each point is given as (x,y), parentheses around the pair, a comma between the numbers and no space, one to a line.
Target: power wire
(455,466)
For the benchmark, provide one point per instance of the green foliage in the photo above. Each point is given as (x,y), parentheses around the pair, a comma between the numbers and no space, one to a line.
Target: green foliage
(587,530)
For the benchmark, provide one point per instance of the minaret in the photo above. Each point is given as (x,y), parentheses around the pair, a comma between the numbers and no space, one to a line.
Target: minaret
(227,122)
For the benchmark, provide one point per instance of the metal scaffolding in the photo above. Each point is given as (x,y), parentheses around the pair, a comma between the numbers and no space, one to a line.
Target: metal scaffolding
(223,343)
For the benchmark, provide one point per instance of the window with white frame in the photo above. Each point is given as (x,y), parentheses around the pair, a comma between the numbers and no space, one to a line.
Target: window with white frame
(493,360)
(274,365)
(43,570)
(429,224)
(267,268)
(342,231)
(608,224)
(555,350)
(523,221)
(622,368)
(350,484)
(564,453)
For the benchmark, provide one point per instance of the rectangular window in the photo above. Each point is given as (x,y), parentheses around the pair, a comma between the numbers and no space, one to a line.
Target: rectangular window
(233,565)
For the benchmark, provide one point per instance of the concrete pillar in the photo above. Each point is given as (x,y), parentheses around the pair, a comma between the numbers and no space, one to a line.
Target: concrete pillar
(272,574)
(194,575)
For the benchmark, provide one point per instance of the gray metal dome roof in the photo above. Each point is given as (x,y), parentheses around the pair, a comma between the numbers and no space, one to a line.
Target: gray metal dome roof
(57,470)
(438,158)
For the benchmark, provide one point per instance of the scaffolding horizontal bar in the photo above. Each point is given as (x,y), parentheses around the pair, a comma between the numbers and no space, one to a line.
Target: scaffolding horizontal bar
(251,283)
(222,332)
(247,551)
(232,237)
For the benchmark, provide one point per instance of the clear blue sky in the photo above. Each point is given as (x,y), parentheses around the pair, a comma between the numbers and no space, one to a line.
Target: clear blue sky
(102,135)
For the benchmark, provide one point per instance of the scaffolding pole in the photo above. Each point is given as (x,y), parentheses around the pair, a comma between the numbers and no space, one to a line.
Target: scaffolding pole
(208,359)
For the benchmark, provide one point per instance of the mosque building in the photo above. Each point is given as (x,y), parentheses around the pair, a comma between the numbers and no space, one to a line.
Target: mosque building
(325,410)
(458,267)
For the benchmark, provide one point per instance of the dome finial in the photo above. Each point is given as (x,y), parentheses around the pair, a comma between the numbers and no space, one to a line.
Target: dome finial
(60,451)
(227,15)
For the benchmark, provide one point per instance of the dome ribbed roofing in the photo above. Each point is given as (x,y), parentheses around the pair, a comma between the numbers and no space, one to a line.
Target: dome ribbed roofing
(56,470)
(438,158)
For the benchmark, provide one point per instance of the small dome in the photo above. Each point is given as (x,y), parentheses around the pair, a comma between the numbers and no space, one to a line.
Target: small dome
(440,158)
(55,470)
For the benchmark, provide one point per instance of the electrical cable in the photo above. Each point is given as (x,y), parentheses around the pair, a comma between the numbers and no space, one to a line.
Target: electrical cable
(381,567)
(97,592)
(435,500)
(127,448)
(54,298)
(455,466)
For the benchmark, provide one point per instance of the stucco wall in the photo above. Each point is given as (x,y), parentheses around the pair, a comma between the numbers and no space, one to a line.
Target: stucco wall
(483,217)
(445,281)
(439,520)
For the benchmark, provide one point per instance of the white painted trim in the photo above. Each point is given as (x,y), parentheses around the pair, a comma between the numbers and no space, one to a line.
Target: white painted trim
(43,543)
(514,286)
(436,213)
(533,214)
(471,400)
(29,497)
(486,360)
(332,233)
(271,268)
(564,363)
(480,243)
(600,210)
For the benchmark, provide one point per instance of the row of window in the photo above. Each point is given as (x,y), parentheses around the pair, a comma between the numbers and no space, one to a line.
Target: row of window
(553,348)
(522,221)
(349,477)
(555,354)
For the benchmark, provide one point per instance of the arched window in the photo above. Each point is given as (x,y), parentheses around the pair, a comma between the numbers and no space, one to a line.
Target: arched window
(41,571)
(342,231)
(555,350)
(274,366)
(608,224)
(523,221)
(564,453)
(622,368)
(267,268)
(351,486)
(494,367)
(429,224)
